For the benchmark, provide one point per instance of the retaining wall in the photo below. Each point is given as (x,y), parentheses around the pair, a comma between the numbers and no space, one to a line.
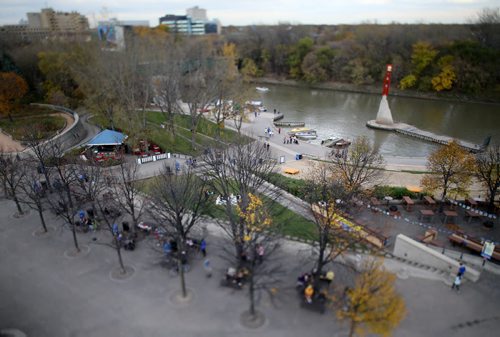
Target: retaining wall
(412,250)
(72,135)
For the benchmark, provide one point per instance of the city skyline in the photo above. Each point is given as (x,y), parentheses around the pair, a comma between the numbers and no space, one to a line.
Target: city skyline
(245,12)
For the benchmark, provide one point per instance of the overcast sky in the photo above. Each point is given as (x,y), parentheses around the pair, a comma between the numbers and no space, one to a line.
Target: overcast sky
(246,12)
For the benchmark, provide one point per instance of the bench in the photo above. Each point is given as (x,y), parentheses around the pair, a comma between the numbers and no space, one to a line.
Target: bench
(409,203)
(471,214)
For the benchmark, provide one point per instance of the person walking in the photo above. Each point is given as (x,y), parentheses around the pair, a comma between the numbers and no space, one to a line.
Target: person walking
(456,283)
(267,146)
(461,270)
(208,268)
(203,247)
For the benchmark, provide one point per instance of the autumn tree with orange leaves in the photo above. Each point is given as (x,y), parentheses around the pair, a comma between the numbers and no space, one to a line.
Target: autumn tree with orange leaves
(12,88)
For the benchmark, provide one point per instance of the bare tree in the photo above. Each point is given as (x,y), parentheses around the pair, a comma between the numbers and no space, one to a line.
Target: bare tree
(327,198)
(165,84)
(259,245)
(63,202)
(126,190)
(40,149)
(177,202)
(360,167)
(488,172)
(199,83)
(33,192)
(12,171)
(239,170)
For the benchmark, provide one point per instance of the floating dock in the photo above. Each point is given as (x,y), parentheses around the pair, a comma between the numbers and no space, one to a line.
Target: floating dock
(278,116)
(412,131)
(289,124)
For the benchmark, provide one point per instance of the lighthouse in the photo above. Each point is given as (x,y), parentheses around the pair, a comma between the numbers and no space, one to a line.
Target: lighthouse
(384,115)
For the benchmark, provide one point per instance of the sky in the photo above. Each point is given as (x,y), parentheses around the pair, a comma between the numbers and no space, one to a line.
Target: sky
(248,12)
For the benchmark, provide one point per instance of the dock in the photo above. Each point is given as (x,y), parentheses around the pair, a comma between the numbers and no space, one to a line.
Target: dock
(412,131)
(289,124)
(278,116)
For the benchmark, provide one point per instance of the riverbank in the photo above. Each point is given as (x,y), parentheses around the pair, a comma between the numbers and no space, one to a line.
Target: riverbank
(376,90)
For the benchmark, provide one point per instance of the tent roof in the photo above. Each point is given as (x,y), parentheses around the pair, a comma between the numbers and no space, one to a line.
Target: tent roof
(107,137)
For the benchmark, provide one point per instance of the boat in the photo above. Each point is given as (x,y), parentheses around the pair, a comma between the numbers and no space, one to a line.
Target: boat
(262,89)
(303,133)
(336,142)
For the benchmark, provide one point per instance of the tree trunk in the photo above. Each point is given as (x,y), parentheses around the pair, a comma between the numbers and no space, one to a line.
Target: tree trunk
(42,219)
(18,205)
(182,278)
(352,328)
(119,252)
(491,201)
(75,241)
(251,289)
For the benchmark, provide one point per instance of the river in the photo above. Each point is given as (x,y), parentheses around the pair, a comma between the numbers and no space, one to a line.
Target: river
(344,114)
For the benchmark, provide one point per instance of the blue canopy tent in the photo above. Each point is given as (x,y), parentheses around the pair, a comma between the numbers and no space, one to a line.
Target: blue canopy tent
(107,137)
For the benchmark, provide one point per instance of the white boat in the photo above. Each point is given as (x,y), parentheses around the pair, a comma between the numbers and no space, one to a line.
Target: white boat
(262,89)
(303,133)
(336,143)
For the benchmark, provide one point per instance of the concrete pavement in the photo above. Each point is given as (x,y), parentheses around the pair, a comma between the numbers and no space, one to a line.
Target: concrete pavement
(44,293)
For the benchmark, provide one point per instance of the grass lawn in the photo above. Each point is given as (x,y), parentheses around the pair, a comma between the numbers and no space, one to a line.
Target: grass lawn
(289,222)
(45,125)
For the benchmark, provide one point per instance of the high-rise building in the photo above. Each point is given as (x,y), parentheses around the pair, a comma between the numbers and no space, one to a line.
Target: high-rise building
(197,13)
(194,23)
(48,24)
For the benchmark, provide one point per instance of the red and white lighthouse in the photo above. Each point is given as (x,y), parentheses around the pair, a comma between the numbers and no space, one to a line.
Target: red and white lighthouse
(384,115)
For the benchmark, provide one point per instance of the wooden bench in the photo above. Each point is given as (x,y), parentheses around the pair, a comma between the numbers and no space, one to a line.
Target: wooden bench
(471,214)
(429,201)
(409,203)
(472,244)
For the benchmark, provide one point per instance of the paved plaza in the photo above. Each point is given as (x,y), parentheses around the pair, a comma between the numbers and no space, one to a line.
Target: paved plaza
(46,293)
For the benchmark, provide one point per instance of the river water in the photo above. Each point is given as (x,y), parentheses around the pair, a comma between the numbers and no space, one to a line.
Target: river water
(344,114)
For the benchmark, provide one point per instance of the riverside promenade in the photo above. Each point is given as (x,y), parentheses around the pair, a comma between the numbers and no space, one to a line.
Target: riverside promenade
(46,293)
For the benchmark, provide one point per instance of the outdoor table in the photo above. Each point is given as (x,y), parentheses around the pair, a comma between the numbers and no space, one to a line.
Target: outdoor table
(291,171)
(449,214)
(409,203)
(429,201)
(427,213)
(471,202)
(471,214)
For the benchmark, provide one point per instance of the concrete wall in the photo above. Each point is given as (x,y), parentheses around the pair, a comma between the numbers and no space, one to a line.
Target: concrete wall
(74,134)
(412,250)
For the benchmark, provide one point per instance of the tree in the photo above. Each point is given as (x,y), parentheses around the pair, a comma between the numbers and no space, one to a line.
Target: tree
(126,191)
(33,193)
(63,203)
(12,88)
(373,306)
(240,170)
(326,196)
(177,203)
(360,167)
(12,171)
(447,76)
(296,57)
(452,168)
(200,83)
(259,244)
(488,172)
(486,27)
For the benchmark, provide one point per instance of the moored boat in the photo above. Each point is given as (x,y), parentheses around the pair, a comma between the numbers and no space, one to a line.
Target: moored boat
(262,89)
(303,133)
(336,142)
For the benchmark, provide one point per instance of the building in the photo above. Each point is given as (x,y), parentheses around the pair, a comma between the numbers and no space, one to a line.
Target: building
(195,22)
(115,32)
(48,24)
(197,13)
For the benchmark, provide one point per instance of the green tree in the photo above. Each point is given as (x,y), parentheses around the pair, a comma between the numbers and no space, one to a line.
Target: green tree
(373,305)
(447,76)
(452,168)
(296,57)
